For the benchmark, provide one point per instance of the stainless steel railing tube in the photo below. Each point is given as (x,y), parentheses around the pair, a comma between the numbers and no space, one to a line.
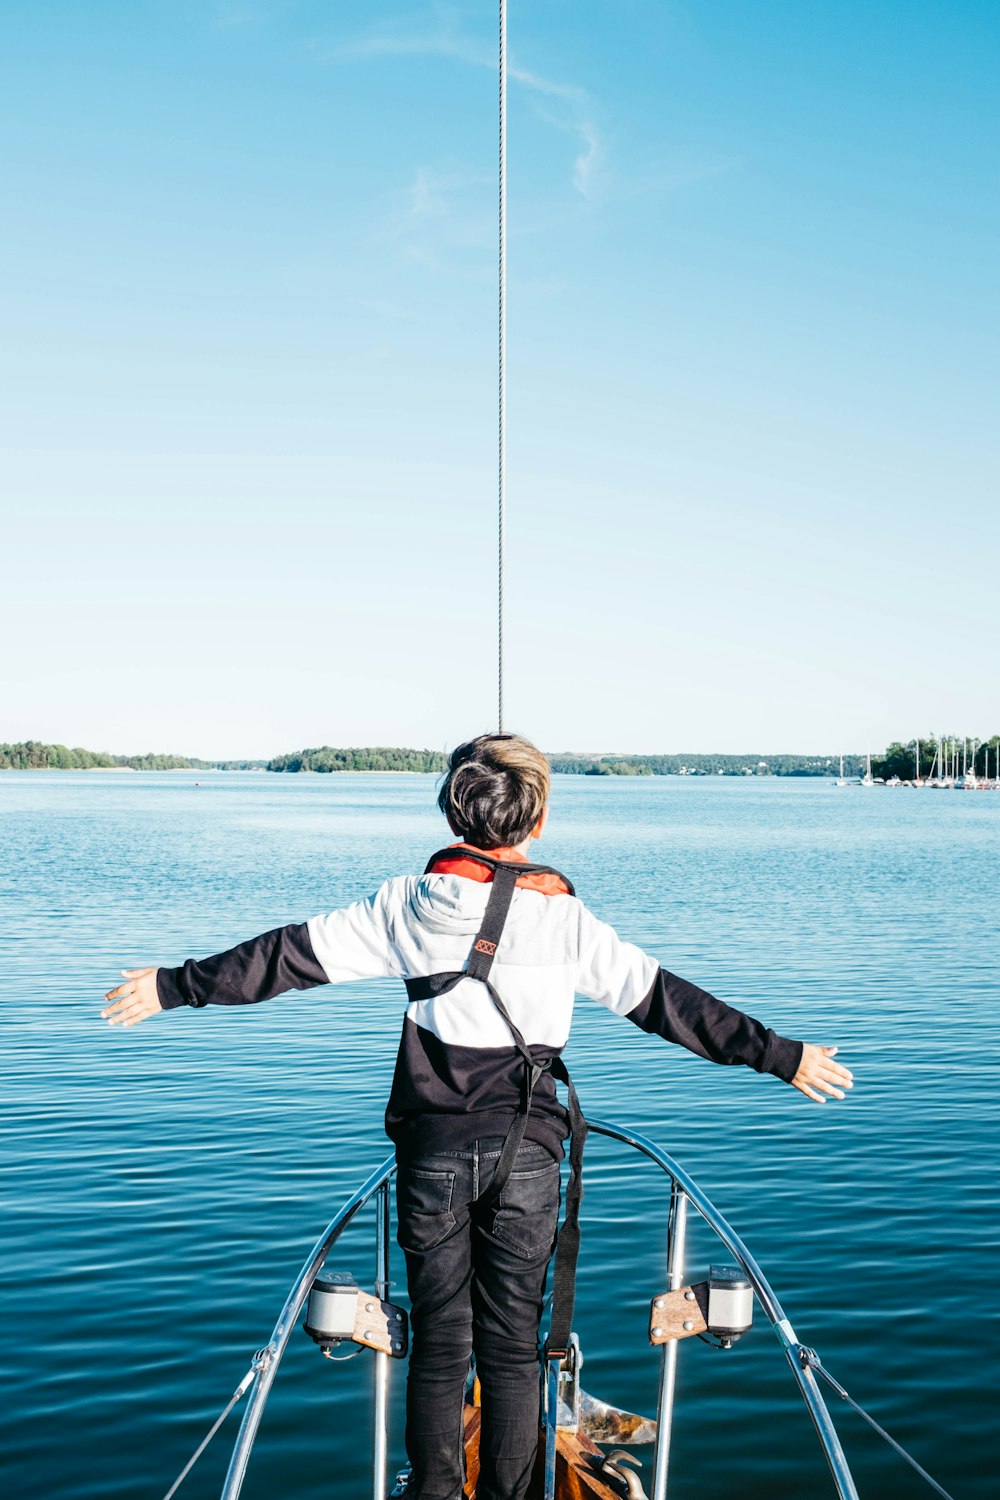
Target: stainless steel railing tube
(380,1372)
(676,1260)
(811,1395)
(286,1322)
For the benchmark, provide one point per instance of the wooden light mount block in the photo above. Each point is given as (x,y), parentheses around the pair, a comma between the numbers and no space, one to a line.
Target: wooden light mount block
(380,1325)
(680,1314)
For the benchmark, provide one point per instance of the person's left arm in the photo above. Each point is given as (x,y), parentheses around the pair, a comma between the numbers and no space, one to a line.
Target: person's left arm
(632,984)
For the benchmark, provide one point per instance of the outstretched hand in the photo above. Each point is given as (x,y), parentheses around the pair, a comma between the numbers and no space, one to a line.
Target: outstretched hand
(135,1000)
(818,1072)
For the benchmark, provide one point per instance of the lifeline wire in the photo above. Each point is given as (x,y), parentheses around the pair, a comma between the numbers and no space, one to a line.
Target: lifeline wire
(811,1359)
(240,1391)
(502,332)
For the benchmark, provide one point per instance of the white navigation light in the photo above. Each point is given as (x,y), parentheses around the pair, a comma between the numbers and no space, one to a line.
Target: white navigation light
(730,1303)
(333,1302)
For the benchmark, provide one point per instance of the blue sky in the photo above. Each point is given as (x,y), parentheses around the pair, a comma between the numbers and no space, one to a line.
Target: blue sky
(248,373)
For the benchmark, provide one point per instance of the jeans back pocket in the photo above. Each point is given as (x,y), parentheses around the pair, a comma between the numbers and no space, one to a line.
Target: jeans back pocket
(528,1212)
(424,1207)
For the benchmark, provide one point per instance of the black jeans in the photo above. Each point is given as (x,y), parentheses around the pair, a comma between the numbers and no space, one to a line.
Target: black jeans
(476,1278)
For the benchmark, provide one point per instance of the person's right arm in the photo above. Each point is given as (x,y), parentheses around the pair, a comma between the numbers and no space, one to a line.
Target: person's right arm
(352,943)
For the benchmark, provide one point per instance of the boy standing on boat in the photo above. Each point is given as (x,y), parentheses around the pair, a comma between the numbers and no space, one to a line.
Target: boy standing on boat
(492,950)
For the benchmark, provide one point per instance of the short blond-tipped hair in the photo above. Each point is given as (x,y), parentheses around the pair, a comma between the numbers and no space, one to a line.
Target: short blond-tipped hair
(496,789)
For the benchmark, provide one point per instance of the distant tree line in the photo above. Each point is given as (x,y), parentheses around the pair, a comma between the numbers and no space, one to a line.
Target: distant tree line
(611,765)
(706,765)
(362,758)
(898,760)
(32,755)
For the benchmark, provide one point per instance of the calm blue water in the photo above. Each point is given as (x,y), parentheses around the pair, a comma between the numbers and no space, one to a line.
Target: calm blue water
(163,1185)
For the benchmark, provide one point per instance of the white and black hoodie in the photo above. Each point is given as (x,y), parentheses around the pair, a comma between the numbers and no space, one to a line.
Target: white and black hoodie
(458,1074)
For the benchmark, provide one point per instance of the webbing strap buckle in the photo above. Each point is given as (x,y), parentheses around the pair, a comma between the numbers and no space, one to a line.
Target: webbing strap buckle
(562,1384)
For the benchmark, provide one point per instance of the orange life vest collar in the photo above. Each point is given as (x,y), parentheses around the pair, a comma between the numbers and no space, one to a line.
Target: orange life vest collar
(547,882)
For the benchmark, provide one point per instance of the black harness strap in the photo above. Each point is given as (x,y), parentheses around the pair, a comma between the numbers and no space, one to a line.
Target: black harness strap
(568,1242)
(484,949)
(505,877)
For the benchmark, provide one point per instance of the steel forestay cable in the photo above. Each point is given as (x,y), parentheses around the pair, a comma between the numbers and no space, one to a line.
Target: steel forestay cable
(502,333)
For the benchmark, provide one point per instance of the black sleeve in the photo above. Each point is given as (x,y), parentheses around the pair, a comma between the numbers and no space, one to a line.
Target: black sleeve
(682,1013)
(256,970)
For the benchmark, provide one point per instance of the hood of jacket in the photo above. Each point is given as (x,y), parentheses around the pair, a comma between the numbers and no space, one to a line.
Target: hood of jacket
(452,896)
